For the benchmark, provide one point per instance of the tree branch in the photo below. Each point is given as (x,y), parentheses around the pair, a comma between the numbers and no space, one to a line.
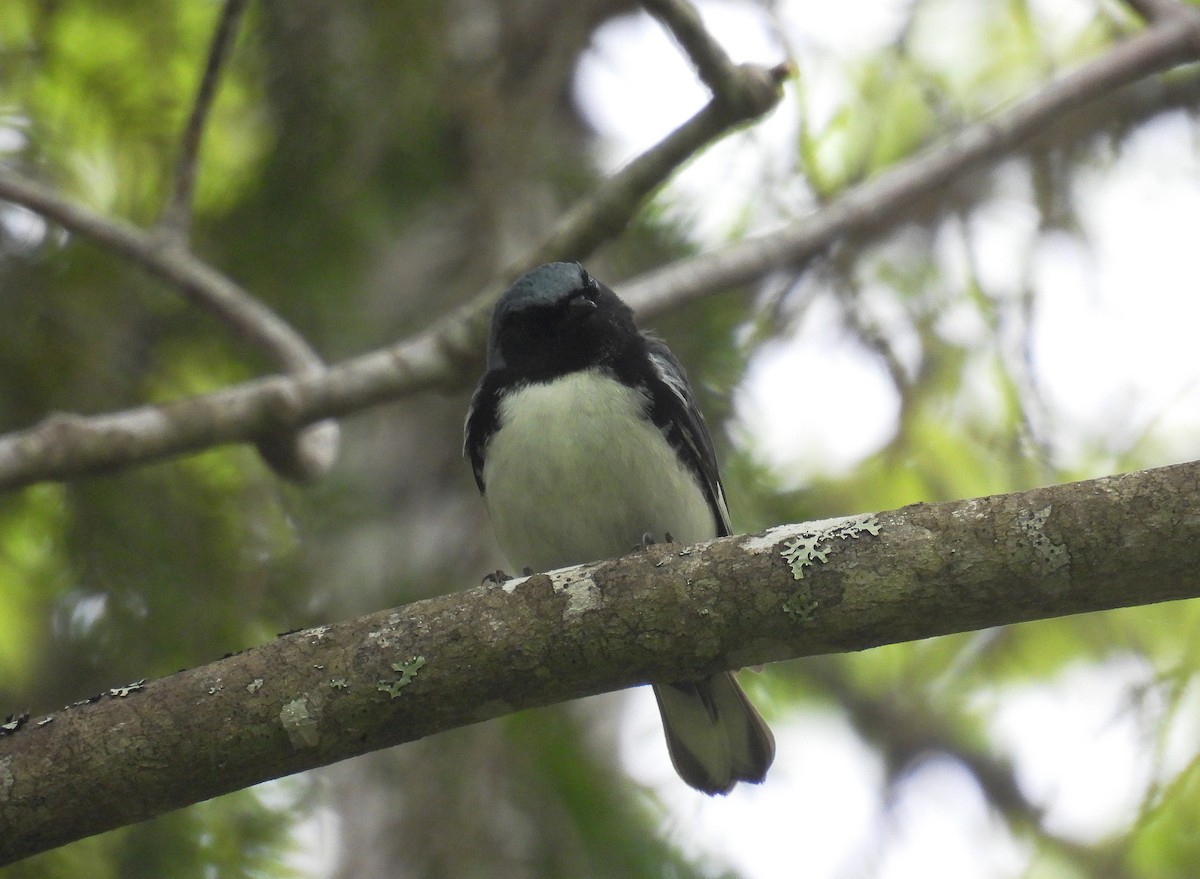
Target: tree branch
(204,286)
(724,79)
(605,213)
(64,446)
(164,252)
(450,351)
(1160,10)
(302,455)
(872,206)
(907,734)
(177,216)
(333,692)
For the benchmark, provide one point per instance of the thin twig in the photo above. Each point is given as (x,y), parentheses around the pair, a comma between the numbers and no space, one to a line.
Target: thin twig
(712,64)
(310,453)
(177,216)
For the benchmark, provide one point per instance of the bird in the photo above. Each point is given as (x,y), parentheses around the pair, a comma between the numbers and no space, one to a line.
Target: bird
(586,442)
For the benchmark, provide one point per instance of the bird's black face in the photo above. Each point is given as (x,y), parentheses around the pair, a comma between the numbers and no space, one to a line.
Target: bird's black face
(555,320)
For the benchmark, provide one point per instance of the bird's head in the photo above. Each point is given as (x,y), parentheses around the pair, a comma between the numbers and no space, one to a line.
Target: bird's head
(556,319)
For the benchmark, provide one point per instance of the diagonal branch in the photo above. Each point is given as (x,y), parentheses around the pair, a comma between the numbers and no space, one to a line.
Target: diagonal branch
(177,216)
(305,454)
(1161,10)
(333,692)
(443,356)
(714,67)
(606,212)
(872,206)
(302,456)
(197,280)
(907,734)
(207,287)
(73,446)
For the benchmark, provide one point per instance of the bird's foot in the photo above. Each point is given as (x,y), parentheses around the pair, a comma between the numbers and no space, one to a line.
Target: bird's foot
(498,577)
(649,540)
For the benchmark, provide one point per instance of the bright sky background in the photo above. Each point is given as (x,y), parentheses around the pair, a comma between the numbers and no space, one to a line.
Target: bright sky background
(1114,350)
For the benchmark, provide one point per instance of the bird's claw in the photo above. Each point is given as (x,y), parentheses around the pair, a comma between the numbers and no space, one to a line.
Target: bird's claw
(499,577)
(648,540)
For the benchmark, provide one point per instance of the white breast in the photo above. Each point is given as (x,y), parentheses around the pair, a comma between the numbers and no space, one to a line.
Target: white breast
(577,473)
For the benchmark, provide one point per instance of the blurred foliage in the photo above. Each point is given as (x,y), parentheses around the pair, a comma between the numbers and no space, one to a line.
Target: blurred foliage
(365,168)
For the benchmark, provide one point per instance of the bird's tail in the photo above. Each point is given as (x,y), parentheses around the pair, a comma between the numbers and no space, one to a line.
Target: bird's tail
(715,736)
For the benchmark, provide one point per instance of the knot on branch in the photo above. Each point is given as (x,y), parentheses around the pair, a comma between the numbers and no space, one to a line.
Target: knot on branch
(302,456)
(752,90)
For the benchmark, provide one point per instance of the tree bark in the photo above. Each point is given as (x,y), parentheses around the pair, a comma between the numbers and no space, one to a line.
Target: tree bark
(321,695)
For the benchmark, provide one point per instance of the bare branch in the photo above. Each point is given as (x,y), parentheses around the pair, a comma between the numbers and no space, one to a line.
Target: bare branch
(908,734)
(177,216)
(309,453)
(448,353)
(714,67)
(607,211)
(302,456)
(337,691)
(872,206)
(1160,10)
(203,285)
(63,446)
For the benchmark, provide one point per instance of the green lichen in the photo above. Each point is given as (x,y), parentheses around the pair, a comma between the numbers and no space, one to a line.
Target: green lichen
(408,670)
(800,609)
(1055,555)
(815,545)
(299,723)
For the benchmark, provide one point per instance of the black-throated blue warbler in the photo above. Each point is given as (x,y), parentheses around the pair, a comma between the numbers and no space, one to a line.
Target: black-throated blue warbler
(585,438)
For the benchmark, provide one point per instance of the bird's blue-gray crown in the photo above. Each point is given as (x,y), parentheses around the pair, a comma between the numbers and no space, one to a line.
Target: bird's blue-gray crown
(543,286)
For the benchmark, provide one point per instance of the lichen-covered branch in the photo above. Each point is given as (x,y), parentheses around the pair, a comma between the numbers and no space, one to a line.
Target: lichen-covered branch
(325,694)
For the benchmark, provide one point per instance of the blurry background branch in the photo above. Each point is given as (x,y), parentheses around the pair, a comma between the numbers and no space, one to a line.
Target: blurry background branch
(448,353)
(911,732)
(336,691)
(176,218)
(261,411)
(164,252)
(872,207)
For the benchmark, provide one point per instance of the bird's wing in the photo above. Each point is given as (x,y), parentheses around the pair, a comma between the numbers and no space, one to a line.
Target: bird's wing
(678,417)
